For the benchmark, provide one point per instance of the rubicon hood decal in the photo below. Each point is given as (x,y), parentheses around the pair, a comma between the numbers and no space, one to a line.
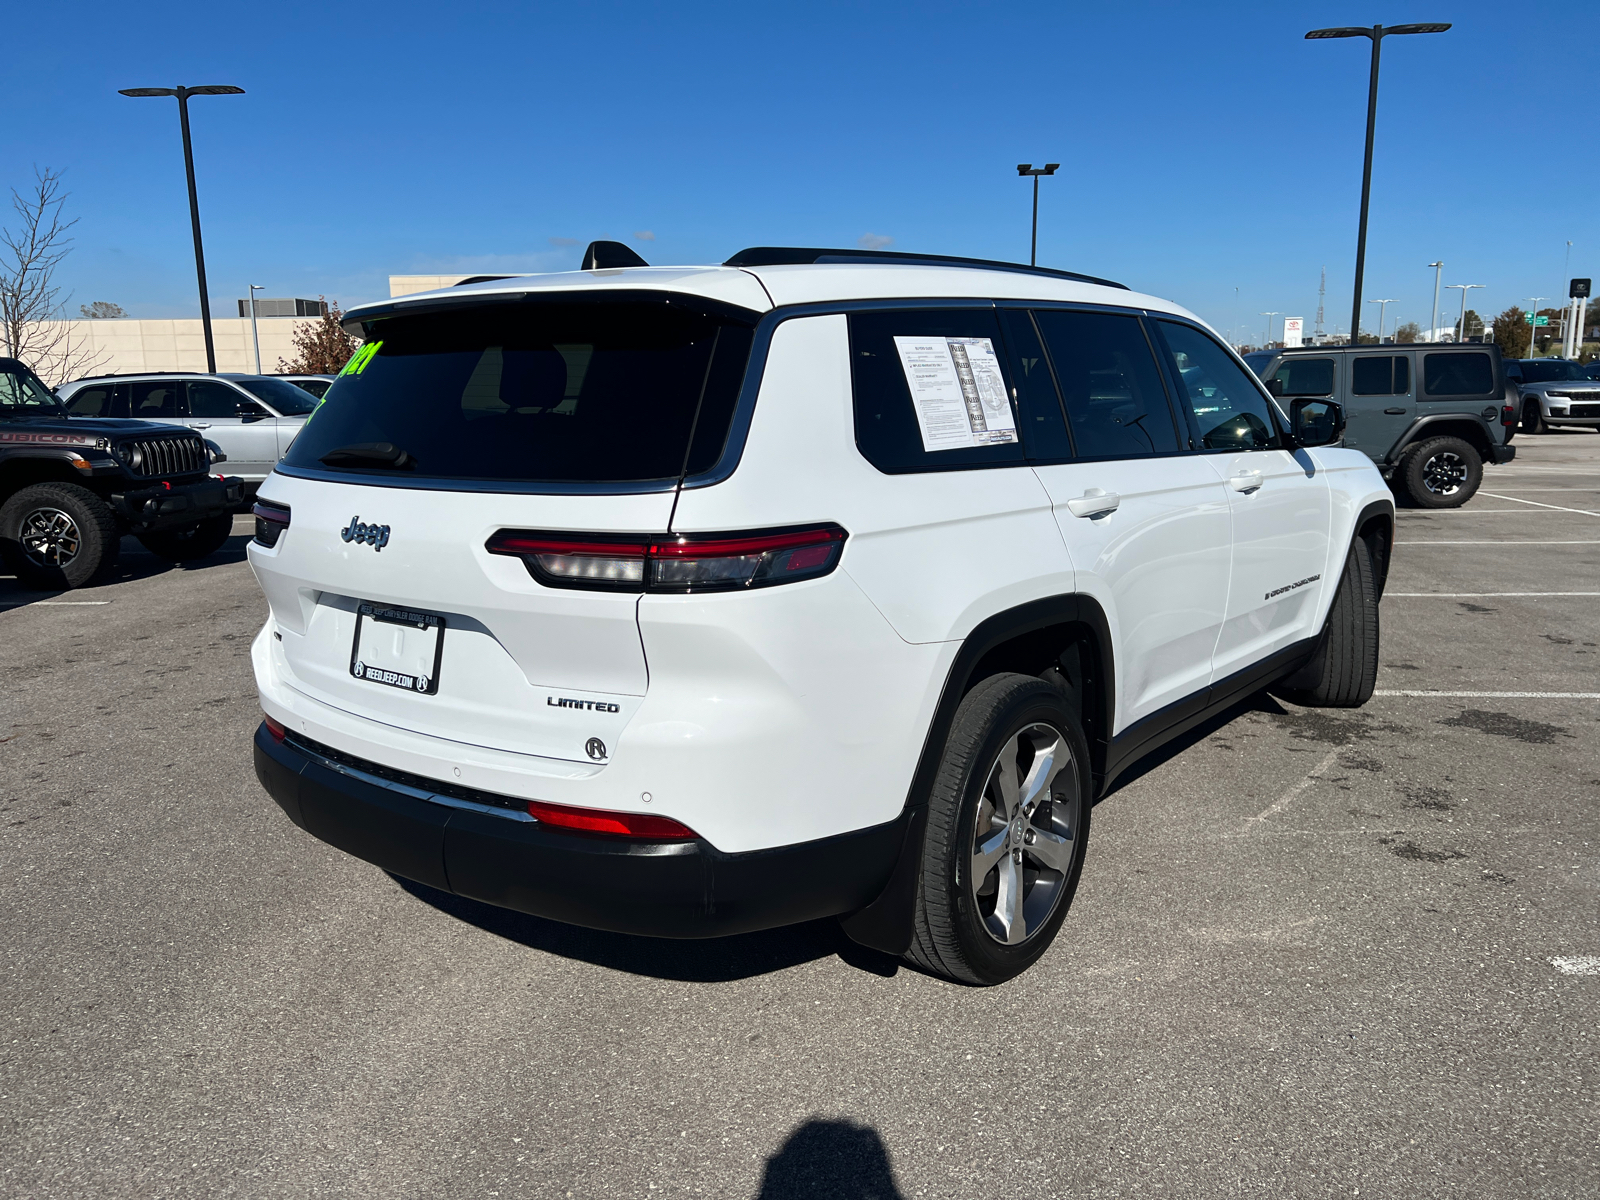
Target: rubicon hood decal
(376,536)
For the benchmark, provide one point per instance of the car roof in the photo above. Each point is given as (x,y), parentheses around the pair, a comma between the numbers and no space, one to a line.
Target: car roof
(762,288)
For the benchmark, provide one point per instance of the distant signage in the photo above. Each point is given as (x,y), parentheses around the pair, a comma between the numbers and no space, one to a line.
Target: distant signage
(1533,320)
(1293,332)
(1579,289)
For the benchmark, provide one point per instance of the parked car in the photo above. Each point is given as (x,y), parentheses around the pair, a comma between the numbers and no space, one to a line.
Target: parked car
(71,487)
(819,583)
(1554,393)
(317,385)
(1429,416)
(251,418)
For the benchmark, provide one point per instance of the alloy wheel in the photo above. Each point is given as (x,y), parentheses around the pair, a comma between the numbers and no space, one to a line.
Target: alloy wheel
(1024,835)
(1444,473)
(49,537)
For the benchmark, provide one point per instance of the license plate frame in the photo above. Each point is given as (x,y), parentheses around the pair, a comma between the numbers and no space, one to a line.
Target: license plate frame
(418,683)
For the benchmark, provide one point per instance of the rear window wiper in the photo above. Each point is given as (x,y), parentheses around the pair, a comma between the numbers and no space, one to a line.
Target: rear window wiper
(370,454)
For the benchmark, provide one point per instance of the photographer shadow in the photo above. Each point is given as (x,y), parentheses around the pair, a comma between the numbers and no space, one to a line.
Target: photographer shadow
(831,1160)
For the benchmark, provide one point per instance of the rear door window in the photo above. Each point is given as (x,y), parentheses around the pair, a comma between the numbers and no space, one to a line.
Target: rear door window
(930,390)
(1230,413)
(1381,376)
(1306,376)
(155,399)
(207,398)
(542,391)
(1116,404)
(92,401)
(1462,373)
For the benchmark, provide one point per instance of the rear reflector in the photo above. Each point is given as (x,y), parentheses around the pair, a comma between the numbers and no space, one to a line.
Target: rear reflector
(618,824)
(277,731)
(271,521)
(684,563)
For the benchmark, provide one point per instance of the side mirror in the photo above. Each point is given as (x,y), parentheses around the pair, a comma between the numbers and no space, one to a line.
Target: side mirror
(1315,422)
(249,410)
(1275,386)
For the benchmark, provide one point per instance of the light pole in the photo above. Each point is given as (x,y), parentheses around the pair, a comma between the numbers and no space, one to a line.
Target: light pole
(1026,169)
(183,94)
(1461,333)
(1383,307)
(1433,325)
(255,331)
(1269,317)
(1377,33)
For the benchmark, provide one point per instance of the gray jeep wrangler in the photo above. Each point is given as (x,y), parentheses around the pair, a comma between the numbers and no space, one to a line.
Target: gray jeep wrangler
(1430,416)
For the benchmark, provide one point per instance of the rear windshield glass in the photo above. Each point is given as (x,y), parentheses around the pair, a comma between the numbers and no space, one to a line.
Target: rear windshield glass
(287,399)
(564,392)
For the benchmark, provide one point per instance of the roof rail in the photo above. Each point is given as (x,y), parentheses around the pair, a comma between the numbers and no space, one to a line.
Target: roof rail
(135,374)
(776,256)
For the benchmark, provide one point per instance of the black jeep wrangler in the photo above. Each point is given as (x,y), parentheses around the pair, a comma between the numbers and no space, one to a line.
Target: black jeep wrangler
(70,487)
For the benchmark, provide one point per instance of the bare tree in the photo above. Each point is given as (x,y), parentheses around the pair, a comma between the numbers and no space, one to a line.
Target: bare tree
(101,310)
(33,327)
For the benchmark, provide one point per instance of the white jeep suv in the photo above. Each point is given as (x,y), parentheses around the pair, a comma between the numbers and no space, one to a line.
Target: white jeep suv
(691,601)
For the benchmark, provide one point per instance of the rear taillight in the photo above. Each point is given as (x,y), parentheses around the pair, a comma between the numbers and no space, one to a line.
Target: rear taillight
(1508,416)
(687,563)
(271,521)
(618,824)
(277,731)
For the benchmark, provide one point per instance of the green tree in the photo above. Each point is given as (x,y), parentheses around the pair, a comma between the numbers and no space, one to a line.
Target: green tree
(101,310)
(1511,333)
(1473,323)
(1408,333)
(322,348)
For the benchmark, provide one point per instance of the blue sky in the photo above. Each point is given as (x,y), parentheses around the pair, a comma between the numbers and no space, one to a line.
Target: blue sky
(1204,148)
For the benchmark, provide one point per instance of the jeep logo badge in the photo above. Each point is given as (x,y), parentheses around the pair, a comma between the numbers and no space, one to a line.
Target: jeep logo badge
(376,536)
(595,748)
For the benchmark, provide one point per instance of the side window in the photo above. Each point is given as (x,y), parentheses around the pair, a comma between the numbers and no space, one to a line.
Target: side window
(1116,404)
(1306,376)
(930,392)
(207,398)
(1044,428)
(1457,374)
(91,402)
(154,398)
(1229,410)
(1380,376)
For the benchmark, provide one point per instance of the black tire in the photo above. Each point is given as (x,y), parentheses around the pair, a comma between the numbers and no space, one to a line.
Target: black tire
(1344,669)
(960,922)
(188,545)
(1533,418)
(1442,472)
(55,536)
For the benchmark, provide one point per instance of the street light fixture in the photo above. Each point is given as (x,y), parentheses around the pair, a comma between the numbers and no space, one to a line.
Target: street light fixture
(1026,169)
(255,331)
(1461,334)
(1268,316)
(1383,307)
(1377,33)
(1433,325)
(183,94)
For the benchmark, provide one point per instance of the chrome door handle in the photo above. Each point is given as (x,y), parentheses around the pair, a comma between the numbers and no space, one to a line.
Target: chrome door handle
(1094,503)
(199,424)
(1245,481)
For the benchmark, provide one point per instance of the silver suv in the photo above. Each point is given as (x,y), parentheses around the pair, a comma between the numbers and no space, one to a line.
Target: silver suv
(1554,393)
(250,418)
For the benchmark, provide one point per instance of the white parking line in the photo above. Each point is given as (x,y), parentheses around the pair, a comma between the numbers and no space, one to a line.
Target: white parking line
(1489,695)
(1478,595)
(1432,542)
(1579,964)
(1538,504)
(57,603)
(1283,801)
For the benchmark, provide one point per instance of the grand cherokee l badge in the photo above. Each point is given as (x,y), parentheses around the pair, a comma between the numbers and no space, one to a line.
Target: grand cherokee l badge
(376,536)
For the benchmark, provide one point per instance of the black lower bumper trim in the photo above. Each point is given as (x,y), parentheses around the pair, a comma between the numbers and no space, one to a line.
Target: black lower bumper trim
(663,889)
(1501,454)
(150,509)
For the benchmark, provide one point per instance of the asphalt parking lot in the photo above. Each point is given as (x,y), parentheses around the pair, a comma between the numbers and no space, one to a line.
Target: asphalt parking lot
(1314,953)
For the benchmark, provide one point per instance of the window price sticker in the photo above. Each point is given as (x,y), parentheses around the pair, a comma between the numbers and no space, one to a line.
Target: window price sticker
(958,392)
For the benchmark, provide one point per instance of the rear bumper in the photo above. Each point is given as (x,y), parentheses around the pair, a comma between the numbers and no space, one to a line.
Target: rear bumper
(1499,454)
(662,889)
(185,504)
